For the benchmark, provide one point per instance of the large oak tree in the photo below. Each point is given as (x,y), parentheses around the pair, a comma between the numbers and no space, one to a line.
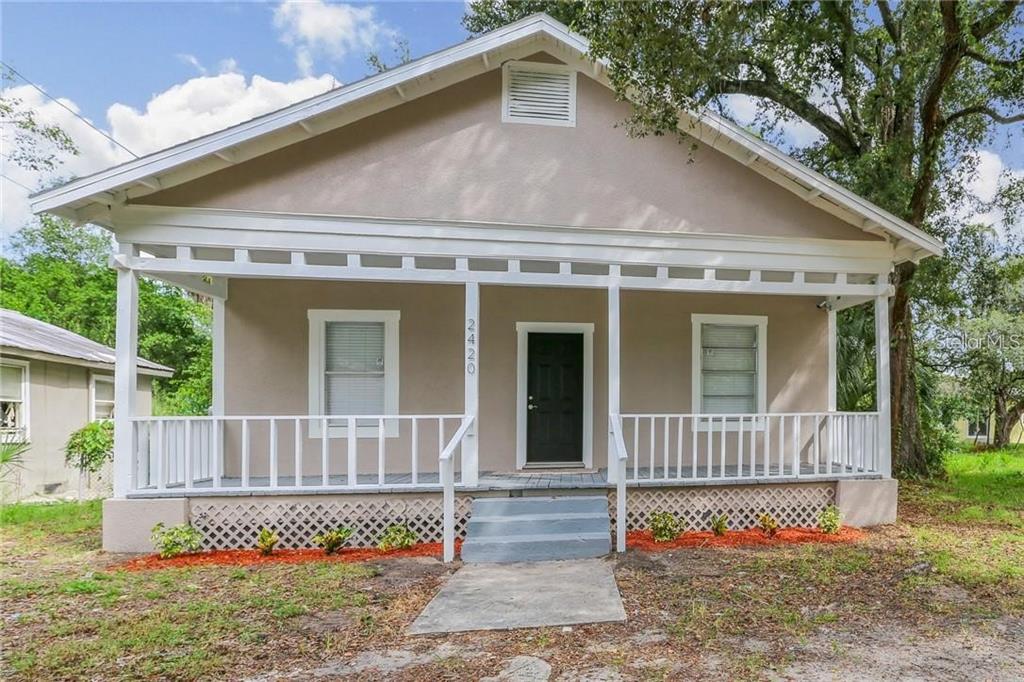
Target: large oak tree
(902,94)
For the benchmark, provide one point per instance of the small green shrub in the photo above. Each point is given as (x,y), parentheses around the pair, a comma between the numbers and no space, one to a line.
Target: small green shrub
(830,520)
(397,537)
(332,540)
(12,458)
(719,524)
(91,446)
(175,540)
(768,524)
(665,526)
(266,541)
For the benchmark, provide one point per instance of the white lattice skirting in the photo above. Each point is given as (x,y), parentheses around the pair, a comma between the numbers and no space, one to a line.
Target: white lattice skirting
(234,524)
(792,505)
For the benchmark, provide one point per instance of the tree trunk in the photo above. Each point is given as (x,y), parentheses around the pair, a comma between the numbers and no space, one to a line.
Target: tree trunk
(1006,418)
(908,455)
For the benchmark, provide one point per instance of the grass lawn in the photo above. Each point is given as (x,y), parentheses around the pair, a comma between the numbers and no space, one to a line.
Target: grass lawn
(952,565)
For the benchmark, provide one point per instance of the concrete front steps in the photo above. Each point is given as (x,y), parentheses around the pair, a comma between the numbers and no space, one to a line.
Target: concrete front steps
(507,529)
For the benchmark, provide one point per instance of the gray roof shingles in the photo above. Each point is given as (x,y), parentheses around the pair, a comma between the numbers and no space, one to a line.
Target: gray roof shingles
(19,331)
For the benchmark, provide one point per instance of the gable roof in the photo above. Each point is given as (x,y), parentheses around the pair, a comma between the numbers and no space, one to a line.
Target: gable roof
(89,198)
(41,339)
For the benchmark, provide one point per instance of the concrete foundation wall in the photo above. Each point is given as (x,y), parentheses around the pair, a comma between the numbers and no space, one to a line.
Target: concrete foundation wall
(867,503)
(127,524)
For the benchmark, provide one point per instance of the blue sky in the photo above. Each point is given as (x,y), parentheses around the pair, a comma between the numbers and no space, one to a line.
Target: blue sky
(153,74)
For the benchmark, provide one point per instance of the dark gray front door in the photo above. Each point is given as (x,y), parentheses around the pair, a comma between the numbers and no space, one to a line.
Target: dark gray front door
(554,389)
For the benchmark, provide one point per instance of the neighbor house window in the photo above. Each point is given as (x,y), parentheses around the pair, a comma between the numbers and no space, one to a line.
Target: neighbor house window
(102,390)
(353,360)
(978,428)
(14,385)
(729,358)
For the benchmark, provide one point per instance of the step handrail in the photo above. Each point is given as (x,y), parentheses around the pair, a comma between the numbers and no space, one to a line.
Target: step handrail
(446,470)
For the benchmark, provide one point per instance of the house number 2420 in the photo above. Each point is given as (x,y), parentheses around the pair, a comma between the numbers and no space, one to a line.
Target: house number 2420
(470,346)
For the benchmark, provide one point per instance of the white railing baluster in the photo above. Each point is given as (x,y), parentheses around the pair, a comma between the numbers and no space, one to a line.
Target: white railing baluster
(297,482)
(709,442)
(666,441)
(352,452)
(721,447)
(796,446)
(325,454)
(245,453)
(161,480)
(381,477)
(693,446)
(782,446)
(415,434)
(650,464)
(753,445)
(187,455)
(636,448)
(218,451)
(273,453)
(817,449)
(830,440)
(679,449)
(767,445)
(739,448)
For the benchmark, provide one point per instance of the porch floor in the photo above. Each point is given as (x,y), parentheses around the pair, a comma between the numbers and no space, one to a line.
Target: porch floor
(497,481)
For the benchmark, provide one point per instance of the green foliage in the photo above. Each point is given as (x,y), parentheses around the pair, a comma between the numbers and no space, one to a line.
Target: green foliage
(829,520)
(768,524)
(58,273)
(91,446)
(175,540)
(28,142)
(12,458)
(266,541)
(332,540)
(397,536)
(665,526)
(719,524)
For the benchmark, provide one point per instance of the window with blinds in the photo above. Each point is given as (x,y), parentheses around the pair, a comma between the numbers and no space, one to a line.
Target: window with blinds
(729,368)
(13,403)
(102,397)
(354,368)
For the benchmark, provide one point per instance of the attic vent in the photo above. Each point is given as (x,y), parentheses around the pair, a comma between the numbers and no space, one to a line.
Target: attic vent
(544,94)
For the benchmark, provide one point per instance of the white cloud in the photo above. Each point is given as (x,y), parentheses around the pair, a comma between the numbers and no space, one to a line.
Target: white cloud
(314,28)
(990,174)
(192,61)
(183,112)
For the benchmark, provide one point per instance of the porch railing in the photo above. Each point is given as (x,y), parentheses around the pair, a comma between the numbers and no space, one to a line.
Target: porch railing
(447,472)
(720,447)
(306,453)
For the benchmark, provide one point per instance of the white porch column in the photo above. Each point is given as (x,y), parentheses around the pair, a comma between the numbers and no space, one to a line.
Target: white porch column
(832,363)
(125,376)
(471,331)
(614,399)
(218,356)
(882,385)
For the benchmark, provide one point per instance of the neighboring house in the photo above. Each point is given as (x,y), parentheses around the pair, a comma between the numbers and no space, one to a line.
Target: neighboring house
(461,278)
(982,430)
(52,383)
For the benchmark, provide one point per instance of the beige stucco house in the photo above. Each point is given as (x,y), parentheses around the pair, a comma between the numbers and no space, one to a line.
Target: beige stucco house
(52,383)
(461,278)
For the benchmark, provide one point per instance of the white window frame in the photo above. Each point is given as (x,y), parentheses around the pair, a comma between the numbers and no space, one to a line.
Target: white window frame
(93,378)
(538,66)
(318,320)
(697,320)
(26,392)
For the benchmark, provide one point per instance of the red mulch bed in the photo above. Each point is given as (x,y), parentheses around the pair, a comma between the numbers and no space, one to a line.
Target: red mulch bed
(644,540)
(252,557)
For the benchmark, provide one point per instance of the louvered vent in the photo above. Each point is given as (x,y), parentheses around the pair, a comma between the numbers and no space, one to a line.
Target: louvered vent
(544,94)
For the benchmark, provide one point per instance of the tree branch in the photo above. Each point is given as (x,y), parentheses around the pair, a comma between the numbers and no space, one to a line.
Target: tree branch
(832,129)
(982,27)
(992,61)
(891,27)
(987,111)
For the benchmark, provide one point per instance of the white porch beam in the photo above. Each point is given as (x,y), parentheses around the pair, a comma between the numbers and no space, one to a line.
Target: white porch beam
(882,381)
(471,331)
(125,376)
(243,266)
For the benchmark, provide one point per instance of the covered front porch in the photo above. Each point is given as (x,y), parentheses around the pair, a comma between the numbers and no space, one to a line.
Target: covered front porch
(679,364)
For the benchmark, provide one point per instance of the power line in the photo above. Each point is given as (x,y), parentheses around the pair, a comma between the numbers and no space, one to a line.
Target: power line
(8,177)
(67,108)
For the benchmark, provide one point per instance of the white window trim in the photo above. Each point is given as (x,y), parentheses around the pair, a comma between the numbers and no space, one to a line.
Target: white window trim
(697,377)
(317,359)
(523,330)
(26,393)
(538,66)
(93,378)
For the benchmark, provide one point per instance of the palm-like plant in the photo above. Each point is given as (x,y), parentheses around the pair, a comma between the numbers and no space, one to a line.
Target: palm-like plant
(12,458)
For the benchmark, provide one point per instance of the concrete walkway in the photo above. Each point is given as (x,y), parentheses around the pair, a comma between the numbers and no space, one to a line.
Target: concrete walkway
(523,595)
